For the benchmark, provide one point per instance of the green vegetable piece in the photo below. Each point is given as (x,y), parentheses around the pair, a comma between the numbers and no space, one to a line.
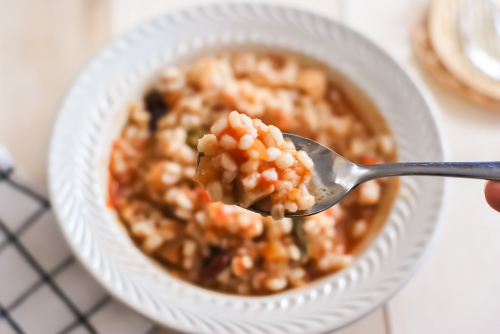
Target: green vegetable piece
(300,238)
(193,136)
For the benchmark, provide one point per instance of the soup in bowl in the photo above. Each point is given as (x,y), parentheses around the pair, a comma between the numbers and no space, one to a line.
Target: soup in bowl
(224,247)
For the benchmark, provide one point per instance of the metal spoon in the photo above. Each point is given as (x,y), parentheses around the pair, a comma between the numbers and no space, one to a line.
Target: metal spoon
(334,176)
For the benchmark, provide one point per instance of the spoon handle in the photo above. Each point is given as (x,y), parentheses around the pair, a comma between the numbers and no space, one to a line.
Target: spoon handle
(471,170)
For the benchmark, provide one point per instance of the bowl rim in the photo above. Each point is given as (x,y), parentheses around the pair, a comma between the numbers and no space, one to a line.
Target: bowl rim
(417,85)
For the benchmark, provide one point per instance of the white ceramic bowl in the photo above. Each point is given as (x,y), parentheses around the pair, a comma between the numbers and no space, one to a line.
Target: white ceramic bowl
(90,117)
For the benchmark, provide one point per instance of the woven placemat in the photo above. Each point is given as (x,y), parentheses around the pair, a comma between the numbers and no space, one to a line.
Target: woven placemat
(428,57)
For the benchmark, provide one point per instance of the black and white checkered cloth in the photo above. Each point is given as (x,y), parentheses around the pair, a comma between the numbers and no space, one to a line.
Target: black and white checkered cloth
(43,289)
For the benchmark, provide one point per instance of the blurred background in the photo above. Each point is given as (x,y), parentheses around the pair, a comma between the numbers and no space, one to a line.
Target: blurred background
(450,47)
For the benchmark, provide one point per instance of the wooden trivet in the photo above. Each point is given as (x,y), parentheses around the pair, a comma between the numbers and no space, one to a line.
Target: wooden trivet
(429,59)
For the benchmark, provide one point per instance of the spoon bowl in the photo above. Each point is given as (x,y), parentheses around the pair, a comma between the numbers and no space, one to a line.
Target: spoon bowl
(333,176)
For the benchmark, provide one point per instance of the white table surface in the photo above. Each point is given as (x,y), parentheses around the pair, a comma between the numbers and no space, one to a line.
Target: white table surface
(455,290)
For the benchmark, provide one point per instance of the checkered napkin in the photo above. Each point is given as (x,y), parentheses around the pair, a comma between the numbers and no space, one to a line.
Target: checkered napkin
(43,289)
